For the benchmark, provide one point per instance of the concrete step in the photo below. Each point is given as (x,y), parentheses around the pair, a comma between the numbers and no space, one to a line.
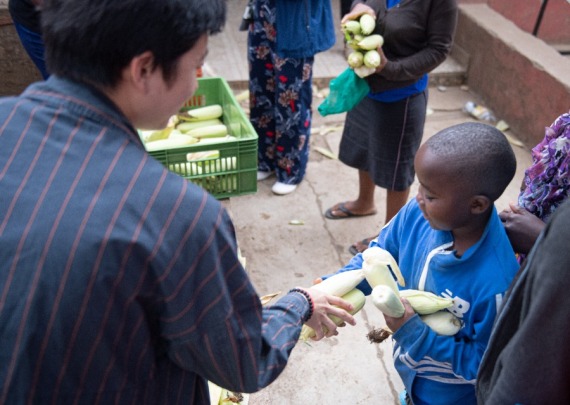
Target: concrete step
(227,56)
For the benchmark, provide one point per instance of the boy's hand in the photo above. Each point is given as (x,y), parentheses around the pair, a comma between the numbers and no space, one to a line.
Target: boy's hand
(395,323)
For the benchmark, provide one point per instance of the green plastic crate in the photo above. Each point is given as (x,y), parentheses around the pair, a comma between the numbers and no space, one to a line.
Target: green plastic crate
(234,171)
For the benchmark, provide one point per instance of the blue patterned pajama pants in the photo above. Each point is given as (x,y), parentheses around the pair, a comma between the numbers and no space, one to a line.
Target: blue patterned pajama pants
(280,100)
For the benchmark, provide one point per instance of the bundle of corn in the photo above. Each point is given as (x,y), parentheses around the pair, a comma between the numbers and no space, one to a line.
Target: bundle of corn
(364,58)
(199,125)
(382,271)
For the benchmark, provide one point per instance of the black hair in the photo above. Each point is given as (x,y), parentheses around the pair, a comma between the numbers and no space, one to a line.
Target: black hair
(478,154)
(91,41)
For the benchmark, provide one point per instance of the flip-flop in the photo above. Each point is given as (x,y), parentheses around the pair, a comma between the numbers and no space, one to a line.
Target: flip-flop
(347,213)
(353,249)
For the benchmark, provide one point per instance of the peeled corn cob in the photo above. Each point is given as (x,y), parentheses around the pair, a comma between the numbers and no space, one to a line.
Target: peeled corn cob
(352,26)
(151,136)
(371,59)
(355,59)
(371,42)
(367,24)
(442,323)
(425,302)
(188,125)
(202,113)
(384,298)
(210,131)
(340,283)
(379,274)
(376,254)
(170,143)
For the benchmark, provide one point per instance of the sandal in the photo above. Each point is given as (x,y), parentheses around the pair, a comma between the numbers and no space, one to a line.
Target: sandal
(346,213)
(360,246)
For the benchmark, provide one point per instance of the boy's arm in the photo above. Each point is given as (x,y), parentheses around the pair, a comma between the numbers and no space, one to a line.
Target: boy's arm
(386,240)
(457,356)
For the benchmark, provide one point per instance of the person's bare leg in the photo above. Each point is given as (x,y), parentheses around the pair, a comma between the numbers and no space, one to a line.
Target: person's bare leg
(366,187)
(364,203)
(395,200)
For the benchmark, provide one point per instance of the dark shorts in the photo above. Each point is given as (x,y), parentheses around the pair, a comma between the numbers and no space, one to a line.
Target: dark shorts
(383,138)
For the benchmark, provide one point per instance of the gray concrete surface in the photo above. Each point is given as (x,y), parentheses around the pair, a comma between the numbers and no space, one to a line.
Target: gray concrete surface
(347,369)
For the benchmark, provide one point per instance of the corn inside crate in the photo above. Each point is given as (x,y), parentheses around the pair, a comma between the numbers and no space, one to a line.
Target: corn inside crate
(231,169)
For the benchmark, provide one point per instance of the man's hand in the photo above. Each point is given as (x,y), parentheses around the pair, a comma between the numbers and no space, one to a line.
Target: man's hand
(323,306)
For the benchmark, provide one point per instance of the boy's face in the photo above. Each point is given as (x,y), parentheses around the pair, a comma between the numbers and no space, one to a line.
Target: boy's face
(444,199)
(166,98)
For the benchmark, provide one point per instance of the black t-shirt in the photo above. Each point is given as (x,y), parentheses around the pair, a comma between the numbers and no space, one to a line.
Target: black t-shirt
(24,12)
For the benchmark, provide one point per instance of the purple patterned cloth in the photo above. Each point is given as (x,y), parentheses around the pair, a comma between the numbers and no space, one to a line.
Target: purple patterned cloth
(546,182)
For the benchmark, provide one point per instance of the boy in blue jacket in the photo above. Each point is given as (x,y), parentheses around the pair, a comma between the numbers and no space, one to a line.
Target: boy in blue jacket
(449,240)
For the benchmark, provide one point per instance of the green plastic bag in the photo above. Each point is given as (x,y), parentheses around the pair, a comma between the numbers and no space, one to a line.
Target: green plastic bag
(346,90)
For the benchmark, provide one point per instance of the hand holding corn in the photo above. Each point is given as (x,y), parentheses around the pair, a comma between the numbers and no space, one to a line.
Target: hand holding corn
(382,272)
(356,12)
(394,323)
(326,305)
(358,28)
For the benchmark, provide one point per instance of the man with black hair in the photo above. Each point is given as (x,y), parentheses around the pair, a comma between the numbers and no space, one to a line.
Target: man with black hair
(120,281)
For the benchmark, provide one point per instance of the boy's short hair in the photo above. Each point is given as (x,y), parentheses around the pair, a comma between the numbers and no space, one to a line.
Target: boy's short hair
(92,41)
(477,153)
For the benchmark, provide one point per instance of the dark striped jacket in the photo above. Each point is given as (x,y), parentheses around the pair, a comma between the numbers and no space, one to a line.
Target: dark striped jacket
(119,281)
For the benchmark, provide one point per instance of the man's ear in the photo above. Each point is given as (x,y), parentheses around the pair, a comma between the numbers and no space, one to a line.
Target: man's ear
(480,203)
(140,70)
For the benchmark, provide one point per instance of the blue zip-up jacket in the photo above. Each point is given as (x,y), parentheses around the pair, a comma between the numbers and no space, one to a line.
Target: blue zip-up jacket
(304,27)
(442,369)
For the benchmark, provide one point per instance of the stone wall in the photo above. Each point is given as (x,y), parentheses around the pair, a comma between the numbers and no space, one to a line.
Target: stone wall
(553,27)
(522,79)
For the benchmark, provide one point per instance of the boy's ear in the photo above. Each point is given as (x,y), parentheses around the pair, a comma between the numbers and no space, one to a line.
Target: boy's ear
(140,69)
(480,203)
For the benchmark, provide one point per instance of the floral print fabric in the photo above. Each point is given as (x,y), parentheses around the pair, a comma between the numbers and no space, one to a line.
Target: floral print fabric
(546,181)
(280,100)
